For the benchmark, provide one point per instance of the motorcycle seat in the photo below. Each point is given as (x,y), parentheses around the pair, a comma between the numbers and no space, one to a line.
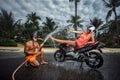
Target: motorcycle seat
(92,45)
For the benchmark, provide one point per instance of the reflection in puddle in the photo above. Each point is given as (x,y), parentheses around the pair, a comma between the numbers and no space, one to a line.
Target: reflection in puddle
(52,72)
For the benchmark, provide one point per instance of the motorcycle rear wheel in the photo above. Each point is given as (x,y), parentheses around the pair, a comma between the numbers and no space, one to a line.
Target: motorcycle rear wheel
(59,56)
(95,60)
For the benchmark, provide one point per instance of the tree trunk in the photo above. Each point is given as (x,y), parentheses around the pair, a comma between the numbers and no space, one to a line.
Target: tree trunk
(75,16)
(117,28)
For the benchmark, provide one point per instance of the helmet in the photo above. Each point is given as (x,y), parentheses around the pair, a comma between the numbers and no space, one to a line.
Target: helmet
(91,28)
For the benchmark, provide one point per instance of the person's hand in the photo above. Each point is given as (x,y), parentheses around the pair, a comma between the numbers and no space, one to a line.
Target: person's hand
(41,44)
(68,30)
(36,51)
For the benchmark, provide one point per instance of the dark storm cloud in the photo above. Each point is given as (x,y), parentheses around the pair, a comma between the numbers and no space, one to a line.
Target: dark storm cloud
(59,10)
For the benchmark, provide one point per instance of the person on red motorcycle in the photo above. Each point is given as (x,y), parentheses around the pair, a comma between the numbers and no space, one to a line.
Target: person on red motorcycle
(86,37)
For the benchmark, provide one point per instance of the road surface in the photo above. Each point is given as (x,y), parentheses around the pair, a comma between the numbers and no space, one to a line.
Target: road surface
(68,70)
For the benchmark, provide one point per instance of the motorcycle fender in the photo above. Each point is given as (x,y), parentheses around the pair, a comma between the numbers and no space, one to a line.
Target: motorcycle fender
(100,50)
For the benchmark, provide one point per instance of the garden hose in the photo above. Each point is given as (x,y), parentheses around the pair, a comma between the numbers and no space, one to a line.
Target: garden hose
(13,75)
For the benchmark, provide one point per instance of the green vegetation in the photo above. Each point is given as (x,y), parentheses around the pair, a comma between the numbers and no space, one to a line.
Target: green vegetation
(7,42)
(114,28)
(14,31)
(96,22)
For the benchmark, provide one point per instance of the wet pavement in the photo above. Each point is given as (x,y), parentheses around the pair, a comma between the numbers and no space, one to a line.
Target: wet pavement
(68,70)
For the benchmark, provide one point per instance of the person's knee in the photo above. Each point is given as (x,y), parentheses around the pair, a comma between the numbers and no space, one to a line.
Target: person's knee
(36,65)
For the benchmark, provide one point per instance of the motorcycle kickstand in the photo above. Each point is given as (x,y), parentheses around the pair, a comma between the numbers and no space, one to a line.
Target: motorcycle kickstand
(81,65)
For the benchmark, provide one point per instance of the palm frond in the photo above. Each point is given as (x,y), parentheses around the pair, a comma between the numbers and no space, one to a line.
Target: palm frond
(71,0)
(105,26)
(96,22)
(108,5)
(109,14)
(68,21)
(50,24)
(74,0)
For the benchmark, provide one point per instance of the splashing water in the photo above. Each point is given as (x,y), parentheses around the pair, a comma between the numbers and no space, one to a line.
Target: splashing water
(49,35)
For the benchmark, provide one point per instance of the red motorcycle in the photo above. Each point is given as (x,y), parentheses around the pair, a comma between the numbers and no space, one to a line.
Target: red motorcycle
(90,54)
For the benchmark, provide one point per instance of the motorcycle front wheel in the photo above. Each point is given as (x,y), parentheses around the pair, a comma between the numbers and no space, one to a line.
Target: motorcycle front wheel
(59,56)
(95,60)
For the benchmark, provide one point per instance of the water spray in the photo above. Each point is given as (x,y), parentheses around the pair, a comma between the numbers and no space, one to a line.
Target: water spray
(48,36)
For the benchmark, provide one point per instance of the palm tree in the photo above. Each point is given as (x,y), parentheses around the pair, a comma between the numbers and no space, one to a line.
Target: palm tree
(7,24)
(78,22)
(32,18)
(49,24)
(32,23)
(109,33)
(112,5)
(96,23)
(75,23)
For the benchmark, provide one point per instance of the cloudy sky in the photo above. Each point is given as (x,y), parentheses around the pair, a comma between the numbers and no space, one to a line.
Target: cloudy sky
(59,10)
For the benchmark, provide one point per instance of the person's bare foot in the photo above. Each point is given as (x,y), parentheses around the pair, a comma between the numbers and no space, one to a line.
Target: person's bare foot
(44,63)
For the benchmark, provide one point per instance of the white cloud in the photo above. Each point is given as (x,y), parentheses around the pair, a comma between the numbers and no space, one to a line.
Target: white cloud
(59,10)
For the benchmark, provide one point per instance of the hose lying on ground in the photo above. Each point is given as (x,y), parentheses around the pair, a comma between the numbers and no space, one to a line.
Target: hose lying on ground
(13,75)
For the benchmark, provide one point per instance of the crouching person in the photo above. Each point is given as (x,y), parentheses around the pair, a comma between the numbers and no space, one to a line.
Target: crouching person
(32,49)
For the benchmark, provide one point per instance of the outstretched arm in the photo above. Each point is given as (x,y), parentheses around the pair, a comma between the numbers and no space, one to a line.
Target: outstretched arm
(78,32)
